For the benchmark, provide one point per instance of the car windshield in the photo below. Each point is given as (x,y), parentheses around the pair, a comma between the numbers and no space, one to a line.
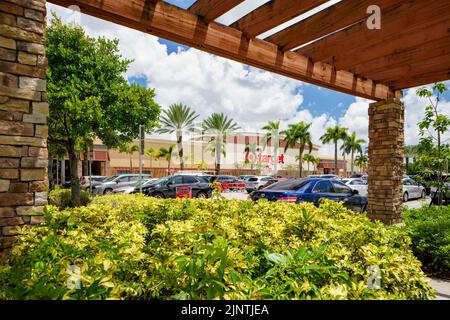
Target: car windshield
(294,184)
(344,180)
(108,179)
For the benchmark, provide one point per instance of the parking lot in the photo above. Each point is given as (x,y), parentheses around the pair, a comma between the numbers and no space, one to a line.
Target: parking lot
(411,204)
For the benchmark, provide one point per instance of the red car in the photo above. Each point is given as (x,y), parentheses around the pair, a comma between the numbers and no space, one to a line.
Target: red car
(230,183)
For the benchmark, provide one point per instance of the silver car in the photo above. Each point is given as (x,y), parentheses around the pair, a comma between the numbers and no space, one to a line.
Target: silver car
(256,183)
(412,189)
(130,189)
(110,184)
(356,184)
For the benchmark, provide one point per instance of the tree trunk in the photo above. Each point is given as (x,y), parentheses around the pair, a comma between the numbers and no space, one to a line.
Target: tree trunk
(352,162)
(51,181)
(336,172)
(218,152)
(344,166)
(308,168)
(85,171)
(300,166)
(275,151)
(180,150)
(168,166)
(75,182)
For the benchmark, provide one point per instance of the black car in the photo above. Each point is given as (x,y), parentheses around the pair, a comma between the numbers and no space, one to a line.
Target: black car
(167,187)
(312,190)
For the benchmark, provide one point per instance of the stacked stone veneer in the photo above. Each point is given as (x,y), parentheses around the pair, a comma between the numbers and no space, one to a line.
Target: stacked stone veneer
(386,147)
(23,117)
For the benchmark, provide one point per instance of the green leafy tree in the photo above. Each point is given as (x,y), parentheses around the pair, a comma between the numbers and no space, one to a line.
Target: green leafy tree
(218,125)
(334,135)
(167,154)
(272,129)
(352,145)
(89,97)
(298,133)
(432,128)
(178,118)
(130,150)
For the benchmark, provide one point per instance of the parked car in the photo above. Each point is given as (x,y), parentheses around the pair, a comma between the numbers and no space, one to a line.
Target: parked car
(272,181)
(357,184)
(167,187)
(314,176)
(312,190)
(362,176)
(230,183)
(256,183)
(134,187)
(412,189)
(115,182)
(244,177)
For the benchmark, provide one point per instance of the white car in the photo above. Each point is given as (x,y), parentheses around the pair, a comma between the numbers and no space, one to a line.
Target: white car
(412,189)
(356,184)
(130,189)
(256,183)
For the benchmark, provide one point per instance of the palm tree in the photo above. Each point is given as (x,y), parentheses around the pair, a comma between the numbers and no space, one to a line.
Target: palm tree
(334,134)
(273,133)
(152,154)
(298,133)
(352,145)
(167,155)
(361,161)
(178,118)
(309,158)
(129,149)
(218,126)
(316,164)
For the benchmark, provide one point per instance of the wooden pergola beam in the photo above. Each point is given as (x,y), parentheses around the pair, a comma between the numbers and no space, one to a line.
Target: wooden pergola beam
(408,26)
(173,23)
(327,21)
(272,14)
(212,9)
(421,52)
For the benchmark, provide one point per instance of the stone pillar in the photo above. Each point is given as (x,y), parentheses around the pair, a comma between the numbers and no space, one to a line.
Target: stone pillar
(386,146)
(23,117)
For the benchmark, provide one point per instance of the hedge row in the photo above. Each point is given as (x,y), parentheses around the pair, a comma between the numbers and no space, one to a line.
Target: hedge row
(132,247)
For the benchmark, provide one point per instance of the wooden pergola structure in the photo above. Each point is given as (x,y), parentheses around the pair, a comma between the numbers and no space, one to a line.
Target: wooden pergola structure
(333,48)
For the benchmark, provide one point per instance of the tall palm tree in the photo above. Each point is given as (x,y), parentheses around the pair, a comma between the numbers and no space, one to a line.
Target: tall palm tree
(351,146)
(218,126)
(130,150)
(167,154)
(361,161)
(316,164)
(309,158)
(178,118)
(152,154)
(273,133)
(298,133)
(334,134)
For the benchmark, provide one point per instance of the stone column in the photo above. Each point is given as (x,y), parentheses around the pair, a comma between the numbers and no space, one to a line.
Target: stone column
(386,145)
(23,117)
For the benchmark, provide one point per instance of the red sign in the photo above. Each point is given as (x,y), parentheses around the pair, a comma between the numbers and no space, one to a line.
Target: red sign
(184,192)
(264,158)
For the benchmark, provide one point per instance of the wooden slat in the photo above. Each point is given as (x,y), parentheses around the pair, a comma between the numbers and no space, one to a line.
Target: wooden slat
(407,26)
(410,70)
(272,14)
(336,17)
(422,79)
(423,51)
(175,24)
(212,9)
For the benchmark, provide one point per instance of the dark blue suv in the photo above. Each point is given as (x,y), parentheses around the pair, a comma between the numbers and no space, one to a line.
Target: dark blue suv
(312,190)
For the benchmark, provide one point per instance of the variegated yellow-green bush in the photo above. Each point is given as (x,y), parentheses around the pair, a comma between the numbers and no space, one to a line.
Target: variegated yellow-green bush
(132,247)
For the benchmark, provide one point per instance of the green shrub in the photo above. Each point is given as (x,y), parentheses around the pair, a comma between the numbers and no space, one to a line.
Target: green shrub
(133,247)
(61,198)
(429,230)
